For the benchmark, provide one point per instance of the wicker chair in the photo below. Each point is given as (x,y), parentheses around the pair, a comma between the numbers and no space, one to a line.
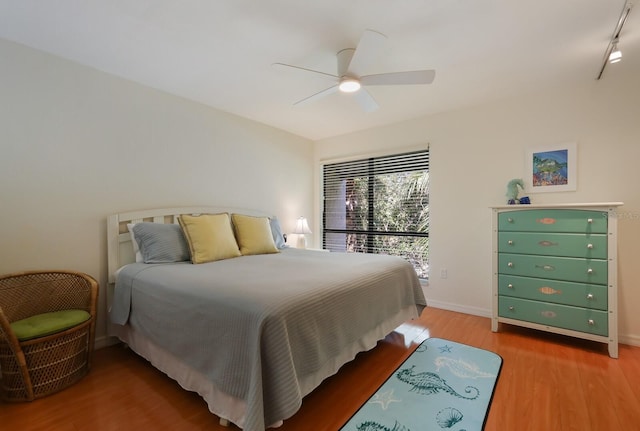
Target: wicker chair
(46,364)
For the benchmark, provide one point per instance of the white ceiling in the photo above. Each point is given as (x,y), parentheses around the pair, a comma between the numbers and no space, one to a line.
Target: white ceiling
(220,52)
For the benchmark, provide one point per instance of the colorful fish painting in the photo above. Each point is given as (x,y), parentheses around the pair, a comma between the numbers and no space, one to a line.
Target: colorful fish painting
(546,243)
(546,220)
(550,168)
(550,314)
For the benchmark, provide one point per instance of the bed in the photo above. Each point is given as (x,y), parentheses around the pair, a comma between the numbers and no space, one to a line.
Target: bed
(253,333)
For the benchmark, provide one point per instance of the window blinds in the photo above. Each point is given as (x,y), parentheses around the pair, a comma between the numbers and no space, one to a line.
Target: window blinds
(379,205)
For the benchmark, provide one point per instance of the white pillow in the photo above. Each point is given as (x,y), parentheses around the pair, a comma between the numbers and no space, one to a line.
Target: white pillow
(136,247)
(161,242)
(276,231)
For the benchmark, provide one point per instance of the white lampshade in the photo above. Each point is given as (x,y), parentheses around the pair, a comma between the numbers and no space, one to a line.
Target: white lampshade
(301,229)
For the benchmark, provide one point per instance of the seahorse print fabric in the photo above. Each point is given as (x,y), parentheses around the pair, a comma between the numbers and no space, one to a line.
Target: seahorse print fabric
(443,385)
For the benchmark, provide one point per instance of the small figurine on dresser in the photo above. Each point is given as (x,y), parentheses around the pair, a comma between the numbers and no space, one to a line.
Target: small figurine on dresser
(512,192)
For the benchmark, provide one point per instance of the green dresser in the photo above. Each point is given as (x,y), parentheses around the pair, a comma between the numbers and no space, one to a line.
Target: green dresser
(554,269)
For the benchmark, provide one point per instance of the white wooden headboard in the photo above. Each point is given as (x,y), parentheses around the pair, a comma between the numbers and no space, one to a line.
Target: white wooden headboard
(119,247)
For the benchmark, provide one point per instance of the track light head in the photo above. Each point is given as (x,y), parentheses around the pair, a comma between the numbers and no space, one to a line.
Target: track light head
(615,55)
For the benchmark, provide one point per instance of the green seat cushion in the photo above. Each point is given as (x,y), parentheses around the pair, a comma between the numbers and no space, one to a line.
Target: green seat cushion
(44,324)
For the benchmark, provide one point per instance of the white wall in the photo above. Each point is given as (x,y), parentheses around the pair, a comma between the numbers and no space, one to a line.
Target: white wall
(476,151)
(77,145)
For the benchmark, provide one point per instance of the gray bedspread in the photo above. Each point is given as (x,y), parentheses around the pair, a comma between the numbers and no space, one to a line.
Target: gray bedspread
(257,325)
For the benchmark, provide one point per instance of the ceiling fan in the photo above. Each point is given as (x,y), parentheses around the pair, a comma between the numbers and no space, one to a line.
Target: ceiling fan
(352,64)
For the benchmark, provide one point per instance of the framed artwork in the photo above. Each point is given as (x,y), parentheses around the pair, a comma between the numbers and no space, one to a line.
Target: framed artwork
(552,168)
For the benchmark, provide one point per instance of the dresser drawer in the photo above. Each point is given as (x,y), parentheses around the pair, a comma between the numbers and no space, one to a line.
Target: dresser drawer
(560,316)
(556,268)
(584,295)
(553,220)
(554,244)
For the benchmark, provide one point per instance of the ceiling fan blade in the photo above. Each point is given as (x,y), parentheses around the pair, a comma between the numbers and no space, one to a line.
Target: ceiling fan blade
(400,78)
(366,52)
(365,100)
(288,66)
(317,96)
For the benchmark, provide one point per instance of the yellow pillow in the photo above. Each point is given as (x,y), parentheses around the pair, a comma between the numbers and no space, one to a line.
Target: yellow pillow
(210,237)
(254,234)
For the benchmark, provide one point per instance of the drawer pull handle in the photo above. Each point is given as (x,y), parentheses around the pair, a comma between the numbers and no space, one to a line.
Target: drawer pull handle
(590,296)
(589,220)
(510,264)
(547,243)
(591,322)
(510,220)
(547,290)
(510,242)
(511,307)
(510,286)
(589,246)
(546,267)
(589,271)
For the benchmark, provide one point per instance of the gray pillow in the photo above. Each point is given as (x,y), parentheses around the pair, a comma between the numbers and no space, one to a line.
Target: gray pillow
(276,231)
(161,243)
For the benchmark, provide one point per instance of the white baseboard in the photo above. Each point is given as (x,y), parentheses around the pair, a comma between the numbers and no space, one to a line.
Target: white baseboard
(474,311)
(630,340)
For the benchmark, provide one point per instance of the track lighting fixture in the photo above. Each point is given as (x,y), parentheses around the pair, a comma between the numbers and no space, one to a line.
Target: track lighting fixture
(613,53)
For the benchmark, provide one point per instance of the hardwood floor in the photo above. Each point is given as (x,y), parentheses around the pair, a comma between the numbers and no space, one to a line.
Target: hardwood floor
(547,383)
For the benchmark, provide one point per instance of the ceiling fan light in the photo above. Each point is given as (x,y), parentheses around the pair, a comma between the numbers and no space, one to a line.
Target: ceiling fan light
(349,85)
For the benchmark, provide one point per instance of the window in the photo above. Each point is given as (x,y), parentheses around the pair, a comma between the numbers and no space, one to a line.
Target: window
(379,205)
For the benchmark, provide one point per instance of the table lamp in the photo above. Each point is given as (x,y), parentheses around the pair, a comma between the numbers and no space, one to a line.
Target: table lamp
(302,229)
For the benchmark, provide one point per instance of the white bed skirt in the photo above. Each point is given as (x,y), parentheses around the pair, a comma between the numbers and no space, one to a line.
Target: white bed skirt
(231,408)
